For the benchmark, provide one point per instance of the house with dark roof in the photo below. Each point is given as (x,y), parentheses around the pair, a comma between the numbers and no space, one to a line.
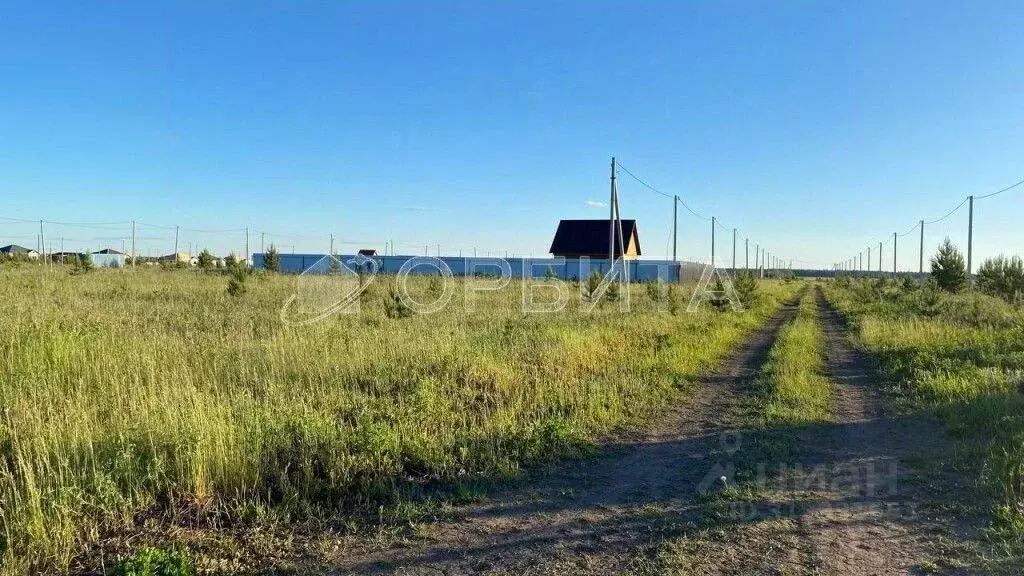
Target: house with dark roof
(589,238)
(368,252)
(14,249)
(66,257)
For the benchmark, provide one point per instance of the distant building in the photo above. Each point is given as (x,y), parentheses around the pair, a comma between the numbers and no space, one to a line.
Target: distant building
(14,249)
(107,258)
(589,238)
(66,257)
(368,252)
(177,258)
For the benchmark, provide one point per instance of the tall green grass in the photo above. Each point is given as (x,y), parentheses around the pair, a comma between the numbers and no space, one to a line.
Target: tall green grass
(792,382)
(963,356)
(129,391)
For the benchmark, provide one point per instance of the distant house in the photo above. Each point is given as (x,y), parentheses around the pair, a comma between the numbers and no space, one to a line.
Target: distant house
(368,252)
(589,238)
(14,250)
(66,257)
(107,258)
(176,258)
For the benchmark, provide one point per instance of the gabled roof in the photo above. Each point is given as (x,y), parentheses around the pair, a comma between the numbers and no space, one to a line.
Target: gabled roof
(591,237)
(15,249)
(108,251)
(367,252)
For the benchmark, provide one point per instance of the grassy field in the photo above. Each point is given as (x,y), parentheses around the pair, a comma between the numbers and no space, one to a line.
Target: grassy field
(963,357)
(151,391)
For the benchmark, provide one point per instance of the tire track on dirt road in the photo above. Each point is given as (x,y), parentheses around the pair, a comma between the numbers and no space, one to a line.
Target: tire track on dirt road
(869,519)
(591,517)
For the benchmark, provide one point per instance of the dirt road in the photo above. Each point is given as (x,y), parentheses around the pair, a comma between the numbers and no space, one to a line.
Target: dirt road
(592,517)
(828,498)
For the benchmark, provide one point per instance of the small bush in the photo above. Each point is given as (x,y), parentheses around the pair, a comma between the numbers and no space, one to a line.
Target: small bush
(746,287)
(593,283)
(236,284)
(205,260)
(948,267)
(272,260)
(154,562)
(394,306)
(1002,277)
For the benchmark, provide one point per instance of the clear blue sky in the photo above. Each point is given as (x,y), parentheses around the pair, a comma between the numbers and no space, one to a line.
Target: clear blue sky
(816,128)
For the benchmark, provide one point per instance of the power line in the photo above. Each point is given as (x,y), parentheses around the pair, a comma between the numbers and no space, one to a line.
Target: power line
(666,195)
(914,227)
(950,213)
(638,179)
(1009,188)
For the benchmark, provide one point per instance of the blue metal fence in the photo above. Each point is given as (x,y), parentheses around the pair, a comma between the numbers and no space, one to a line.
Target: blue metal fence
(565,269)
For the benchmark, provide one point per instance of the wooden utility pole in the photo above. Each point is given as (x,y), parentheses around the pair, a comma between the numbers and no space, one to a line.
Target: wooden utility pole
(746,253)
(332,245)
(675,226)
(880,259)
(894,238)
(618,221)
(712,241)
(133,244)
(920,261)
(176,244)
(970,240)
(611,218)
(734,250)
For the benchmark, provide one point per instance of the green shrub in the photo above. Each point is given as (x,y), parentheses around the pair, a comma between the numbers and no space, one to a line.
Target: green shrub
(272,260)
(948,267)
(394,306)
(236,284)
(154,562)
(746,287)
(205,260)
(1003,277)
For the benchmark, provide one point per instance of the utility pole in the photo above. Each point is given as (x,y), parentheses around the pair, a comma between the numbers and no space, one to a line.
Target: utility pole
(41,247)
(894,238)
(332,245)
(611,218)
(245,257)
(879,258)
(712,241)
(133,245)
(733,250)
(970,240)
(263,236)
(920,262)
(175,244)
(675,225)
(746,253)
(869,261)
(622,241)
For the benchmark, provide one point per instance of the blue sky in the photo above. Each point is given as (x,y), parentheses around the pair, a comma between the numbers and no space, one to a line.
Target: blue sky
(816,128)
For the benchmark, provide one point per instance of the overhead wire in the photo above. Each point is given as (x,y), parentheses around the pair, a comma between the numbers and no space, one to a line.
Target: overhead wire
(998,192)
(665,194)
